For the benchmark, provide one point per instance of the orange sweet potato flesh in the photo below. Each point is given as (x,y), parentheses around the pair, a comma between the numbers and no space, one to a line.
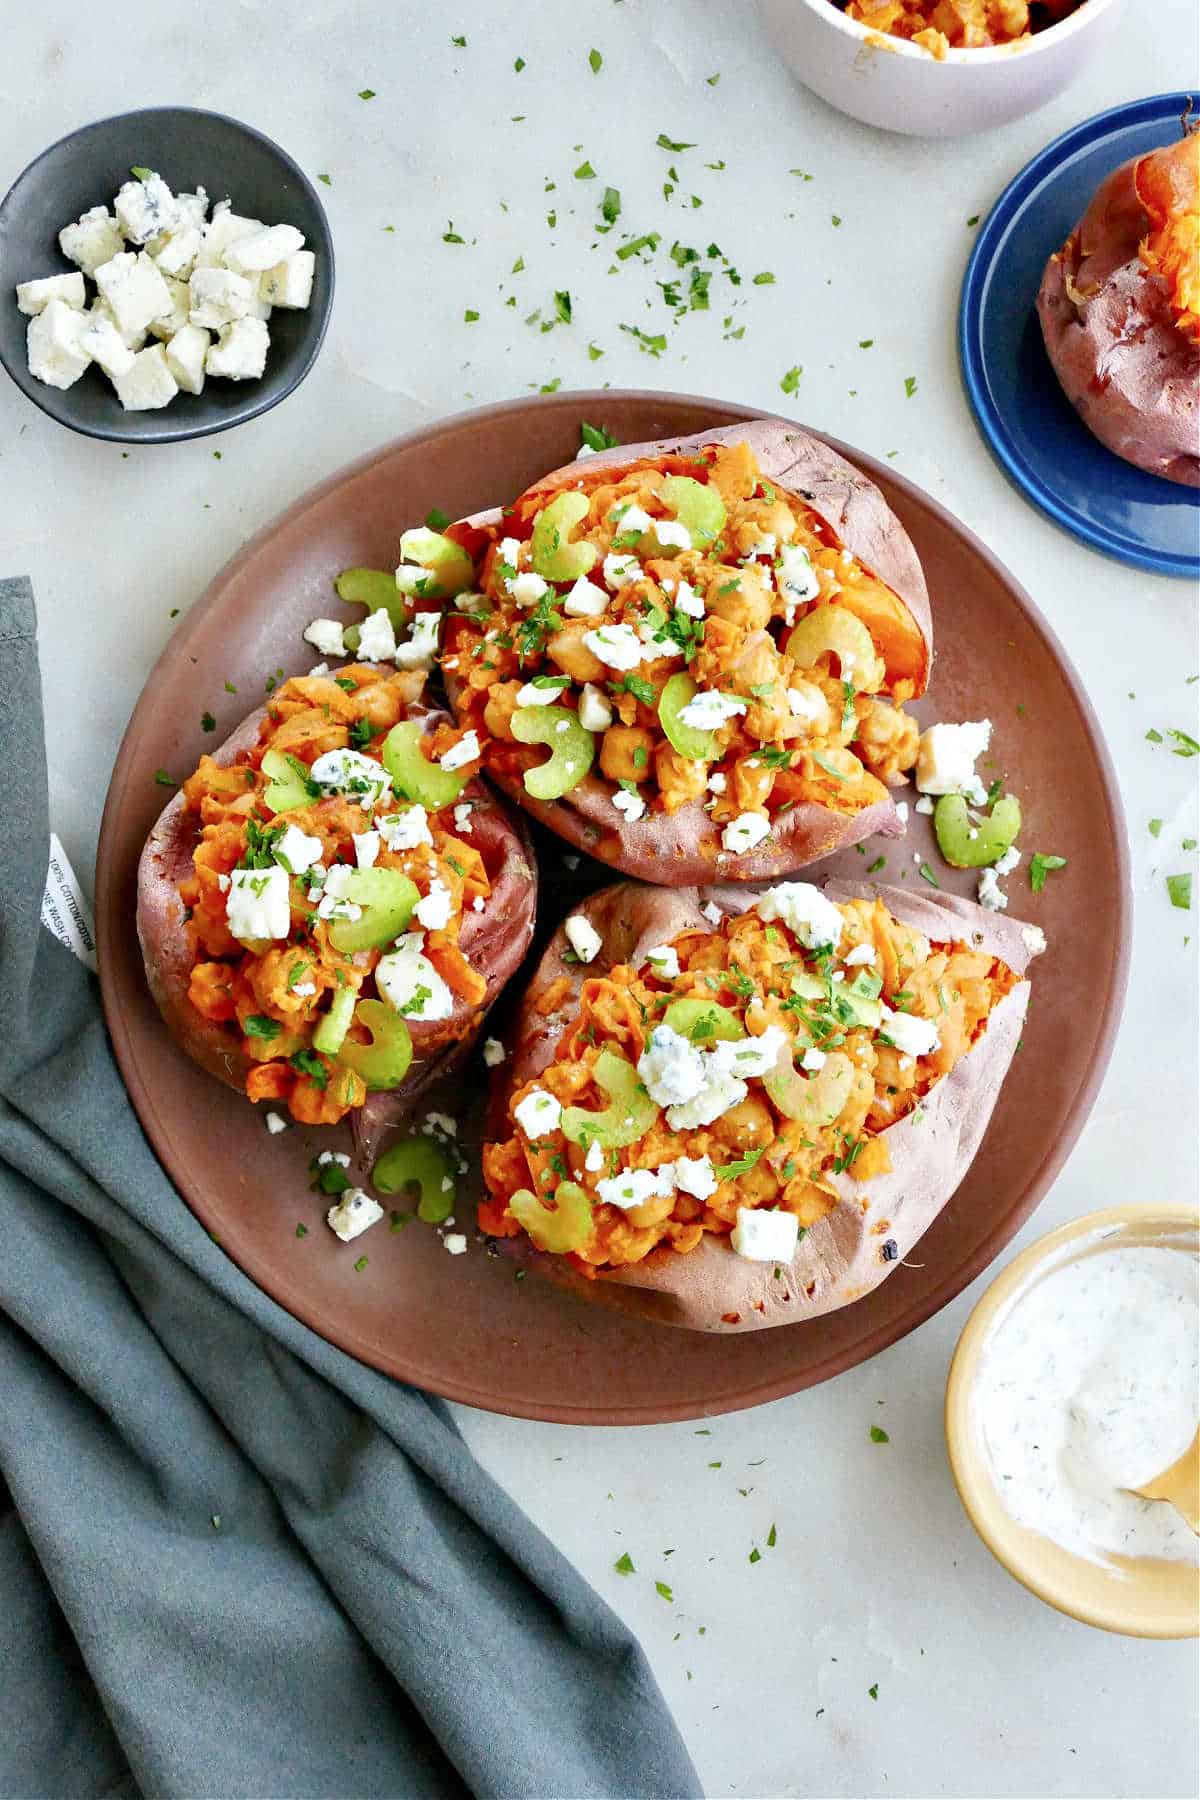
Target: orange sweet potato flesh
(1167,182)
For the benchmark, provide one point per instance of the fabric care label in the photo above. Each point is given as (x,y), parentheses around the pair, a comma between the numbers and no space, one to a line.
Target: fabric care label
(65,912)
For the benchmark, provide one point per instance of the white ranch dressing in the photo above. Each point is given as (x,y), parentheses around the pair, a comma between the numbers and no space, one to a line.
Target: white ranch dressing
(1087,1386)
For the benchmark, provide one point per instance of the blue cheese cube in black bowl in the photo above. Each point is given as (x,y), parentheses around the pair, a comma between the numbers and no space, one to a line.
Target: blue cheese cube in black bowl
(163,274)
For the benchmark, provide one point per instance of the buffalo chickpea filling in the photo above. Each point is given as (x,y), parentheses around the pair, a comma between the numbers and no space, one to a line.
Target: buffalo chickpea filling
(693,634)
(332,873)
(724,1084)
(941,25)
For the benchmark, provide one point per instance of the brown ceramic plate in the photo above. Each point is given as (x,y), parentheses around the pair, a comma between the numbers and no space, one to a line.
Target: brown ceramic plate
(461,1326)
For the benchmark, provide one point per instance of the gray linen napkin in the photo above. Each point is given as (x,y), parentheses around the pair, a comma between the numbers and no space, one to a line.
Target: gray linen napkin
(233,1561)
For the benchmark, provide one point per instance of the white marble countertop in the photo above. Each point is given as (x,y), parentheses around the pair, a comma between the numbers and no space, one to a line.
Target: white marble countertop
(877,1579)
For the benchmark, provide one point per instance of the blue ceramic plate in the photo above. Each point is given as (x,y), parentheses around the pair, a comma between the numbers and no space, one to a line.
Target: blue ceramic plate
(1029,424)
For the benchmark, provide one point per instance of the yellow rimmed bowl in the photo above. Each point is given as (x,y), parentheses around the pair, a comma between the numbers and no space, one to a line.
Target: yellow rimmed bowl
(1140,1597)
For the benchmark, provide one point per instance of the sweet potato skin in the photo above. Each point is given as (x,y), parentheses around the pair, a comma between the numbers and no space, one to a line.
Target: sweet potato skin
(495,941)
(1111,334)
(685,846)
(841,1257)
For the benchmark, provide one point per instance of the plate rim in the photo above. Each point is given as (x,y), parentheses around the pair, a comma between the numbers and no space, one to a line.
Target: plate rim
(109,881)
(972,362)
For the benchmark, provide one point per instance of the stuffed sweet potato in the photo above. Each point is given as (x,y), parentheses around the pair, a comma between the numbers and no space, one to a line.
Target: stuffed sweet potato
(691,658)
(325,914)
(1119,307)
(745,1107)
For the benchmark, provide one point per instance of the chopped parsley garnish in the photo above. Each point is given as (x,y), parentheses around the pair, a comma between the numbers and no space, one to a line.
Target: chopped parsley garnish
(927,874)
(307,1062)
(140,174)
(879,1435)
(562,305)
(366,93)
(207,722)
(910,386)
(742,1166)
(1179,888)
(519,64)
(259,1026)
(163,779)
(879,863)
(610,205)
(1184,745)
(595,61)
(585,172)
(537,625)
(624,1564)
(663,1591)
(361,733)
(302,1231)
(764,279)
(666,143)
(791,381)
(755,1555)
(1040,866)
(450,236)
(229,688)
(361,1264)
(596,437)
(1155,827)
(637,685)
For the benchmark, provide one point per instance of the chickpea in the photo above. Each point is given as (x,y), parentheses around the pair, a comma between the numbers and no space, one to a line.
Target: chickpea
(750,784)
(568,652)
(748,604)
(888,740)
(680,778)
(746,1126)
(625,754)
(501,704)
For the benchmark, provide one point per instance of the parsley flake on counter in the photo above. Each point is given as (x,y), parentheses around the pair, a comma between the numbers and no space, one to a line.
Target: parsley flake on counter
(610,205)
(594,353)
(791,381)
(834,219)
(1179,888)
(469,317)
(1154,827)
(595,61)
(1040,866)
(765,279)
(1184,745)
(755,1555)
(562,305)
(865,343)
(460,43)
(879,1435)
(585,172)
(666,143)
(873,1690)
(910,386)
(712,80)
(772,1539)
(366,93)
(450,236)
(624,1564)
(663,1591)
(519,64)
(327,179)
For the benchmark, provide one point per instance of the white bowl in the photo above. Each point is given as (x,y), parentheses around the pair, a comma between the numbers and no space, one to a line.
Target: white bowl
(888,82)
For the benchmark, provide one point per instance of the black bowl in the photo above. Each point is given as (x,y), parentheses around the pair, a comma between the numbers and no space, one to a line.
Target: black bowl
(189,148)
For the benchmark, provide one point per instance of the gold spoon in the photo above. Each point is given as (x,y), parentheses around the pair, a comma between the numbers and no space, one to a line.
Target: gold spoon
(1180,1485)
